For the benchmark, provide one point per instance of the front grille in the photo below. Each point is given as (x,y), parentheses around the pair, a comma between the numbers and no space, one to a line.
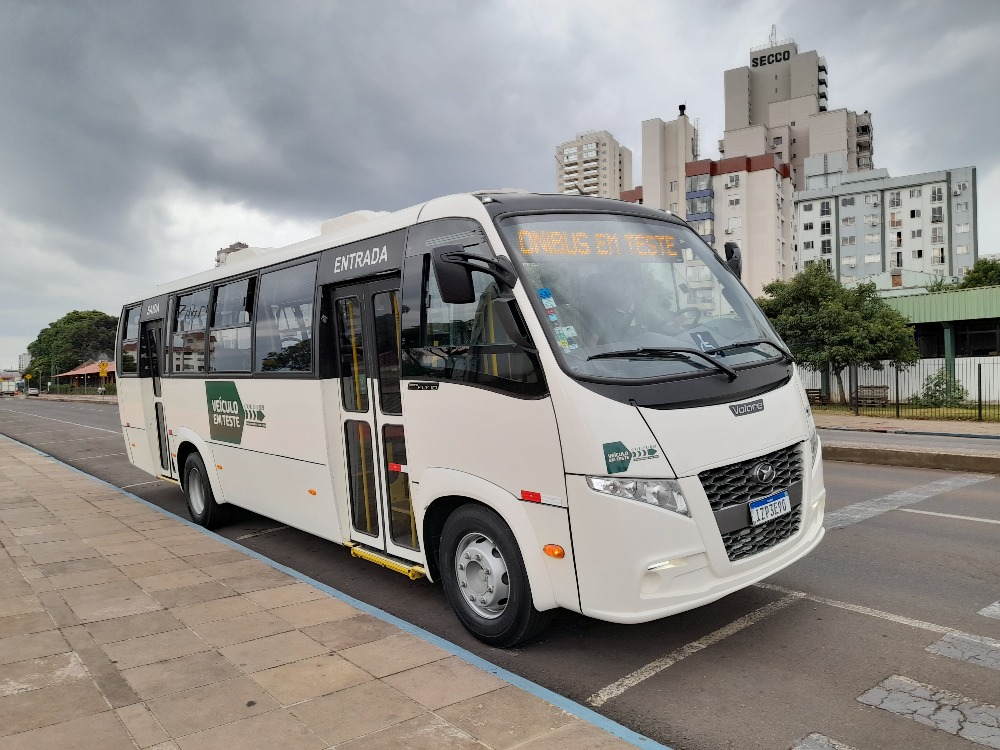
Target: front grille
(753,539)
(735,484)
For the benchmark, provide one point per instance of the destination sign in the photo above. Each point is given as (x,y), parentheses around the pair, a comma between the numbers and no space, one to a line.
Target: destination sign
(597,244)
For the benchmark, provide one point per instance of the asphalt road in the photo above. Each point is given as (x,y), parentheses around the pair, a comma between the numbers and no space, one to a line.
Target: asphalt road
(897,612)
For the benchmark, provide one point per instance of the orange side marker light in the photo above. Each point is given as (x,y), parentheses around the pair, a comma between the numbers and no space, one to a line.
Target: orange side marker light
(554,550)
(312,492)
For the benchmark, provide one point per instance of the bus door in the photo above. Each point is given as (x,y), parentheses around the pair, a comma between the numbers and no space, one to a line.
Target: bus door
(377,486)
(150,369)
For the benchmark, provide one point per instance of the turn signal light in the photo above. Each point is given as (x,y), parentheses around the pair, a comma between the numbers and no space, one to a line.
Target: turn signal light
(554,550)
(312,492)
(219,467)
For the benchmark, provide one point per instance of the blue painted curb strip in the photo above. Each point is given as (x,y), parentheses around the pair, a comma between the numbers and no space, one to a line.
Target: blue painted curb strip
(559,701)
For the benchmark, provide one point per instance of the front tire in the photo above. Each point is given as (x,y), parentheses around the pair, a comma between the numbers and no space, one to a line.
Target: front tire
(485,580)
(201,503)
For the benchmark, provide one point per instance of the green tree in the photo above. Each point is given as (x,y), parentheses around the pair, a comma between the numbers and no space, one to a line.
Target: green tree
(984,272)
(825,324)
(77,337)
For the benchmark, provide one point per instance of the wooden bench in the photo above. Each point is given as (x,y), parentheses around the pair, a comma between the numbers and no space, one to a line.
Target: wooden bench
(873,395)
(816,396)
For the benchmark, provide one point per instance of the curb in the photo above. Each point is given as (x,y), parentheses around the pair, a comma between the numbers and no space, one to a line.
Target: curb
(913,459)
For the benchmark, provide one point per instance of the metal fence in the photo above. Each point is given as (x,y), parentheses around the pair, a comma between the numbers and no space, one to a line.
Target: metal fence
(969,389)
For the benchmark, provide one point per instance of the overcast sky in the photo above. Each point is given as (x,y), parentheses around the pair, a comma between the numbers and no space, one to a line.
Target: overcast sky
(137,138)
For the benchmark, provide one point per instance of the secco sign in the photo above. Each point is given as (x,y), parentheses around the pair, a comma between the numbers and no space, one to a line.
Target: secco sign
(762,60)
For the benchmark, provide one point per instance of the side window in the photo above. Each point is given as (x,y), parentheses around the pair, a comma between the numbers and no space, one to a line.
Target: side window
(465,343)
(230,340)
(128,347)
(187,352)
(285,319)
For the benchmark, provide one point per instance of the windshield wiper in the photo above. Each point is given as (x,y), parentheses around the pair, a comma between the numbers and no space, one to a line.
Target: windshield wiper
(672,353)
(753,342)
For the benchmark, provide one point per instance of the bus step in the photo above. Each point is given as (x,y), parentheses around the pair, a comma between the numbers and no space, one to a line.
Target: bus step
(408,569)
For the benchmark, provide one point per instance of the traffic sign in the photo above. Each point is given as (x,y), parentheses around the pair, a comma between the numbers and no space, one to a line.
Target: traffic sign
(27,376)
(103,367)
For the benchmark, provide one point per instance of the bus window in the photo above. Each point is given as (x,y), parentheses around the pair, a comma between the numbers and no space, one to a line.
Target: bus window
(190,320)
(129,348)
(463,342)
(386,307)
(285,319)
(353,384)
(230,340)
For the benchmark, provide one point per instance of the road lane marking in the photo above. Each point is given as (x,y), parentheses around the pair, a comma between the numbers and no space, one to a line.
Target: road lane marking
(975,649)
(940,709)
(63,421)
(862,610)
(261,533)
(820,742)
(140,484)
(949,515)
(89,458)
(838,519)
(78,440)
(615,689)
(991,611)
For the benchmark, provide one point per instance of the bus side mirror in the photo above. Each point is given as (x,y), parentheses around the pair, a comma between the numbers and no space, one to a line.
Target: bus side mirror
(454,279)
(734,259)
(453,267)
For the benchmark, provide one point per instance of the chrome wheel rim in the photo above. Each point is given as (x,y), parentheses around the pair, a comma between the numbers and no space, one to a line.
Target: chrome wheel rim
(196,492)
(481,572)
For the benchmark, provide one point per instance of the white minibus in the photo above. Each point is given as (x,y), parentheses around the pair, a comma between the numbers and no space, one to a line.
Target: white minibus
(542,401)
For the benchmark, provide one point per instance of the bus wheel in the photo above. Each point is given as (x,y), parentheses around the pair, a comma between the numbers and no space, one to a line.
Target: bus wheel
(484,577)
(200,499)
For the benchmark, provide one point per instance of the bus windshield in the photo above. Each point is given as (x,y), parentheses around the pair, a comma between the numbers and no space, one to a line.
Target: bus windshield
(633,298)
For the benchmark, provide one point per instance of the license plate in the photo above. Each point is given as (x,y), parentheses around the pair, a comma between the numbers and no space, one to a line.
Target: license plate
(770,507)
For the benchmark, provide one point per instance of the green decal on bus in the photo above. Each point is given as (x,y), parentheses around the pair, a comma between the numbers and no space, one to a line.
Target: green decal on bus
(617,457)
(225,412)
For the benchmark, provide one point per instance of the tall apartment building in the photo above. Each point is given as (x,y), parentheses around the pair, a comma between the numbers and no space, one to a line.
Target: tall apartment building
(746,200)
(593,164)
(778,105)
(23,360)
(667,147)
(867,222)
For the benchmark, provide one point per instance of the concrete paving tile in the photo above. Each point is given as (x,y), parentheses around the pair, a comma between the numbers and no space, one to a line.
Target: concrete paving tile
(86,578)
(33,674)
(353,631)
(106,600)
(134,558)
(217,609)
(173,531)
(137,545)
(272,651)
(245,567)
(221,633)
(102,730)
(505,717)
(211,705)
(193,548)
(148,649)
(40,584)
(92,527)
(19,605)
(425,732)
(30,622)
(200,592)
(356,711)
(173,580)
(227,555)
(274,730)
(578,735)
(51,705)
(154,568)
(112,544)
(49,552)
(265,580)
(109,680)
(52,533)
(142,725)
(282,596)
(310,678)
(170,745)
(75,566)
(176,675)
(133,626)
(315,612)
(55,605)
(32,646)
(442,683)
(17,587)
(397,653)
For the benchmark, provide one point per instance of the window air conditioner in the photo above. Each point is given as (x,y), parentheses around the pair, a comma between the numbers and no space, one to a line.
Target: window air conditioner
(876,204)
(729,231)
(956,192)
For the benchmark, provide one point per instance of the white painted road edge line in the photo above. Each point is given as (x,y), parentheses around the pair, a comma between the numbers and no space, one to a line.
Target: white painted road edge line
(991,611)
(974,649)
(838,519)
(615,689)
(559,701)
(63,421)
(820,742)
(948,515)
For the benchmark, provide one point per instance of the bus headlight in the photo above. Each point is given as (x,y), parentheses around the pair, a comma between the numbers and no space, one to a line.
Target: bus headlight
(663,493)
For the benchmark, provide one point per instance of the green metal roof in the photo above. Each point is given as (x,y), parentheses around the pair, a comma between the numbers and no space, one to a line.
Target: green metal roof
(956,304)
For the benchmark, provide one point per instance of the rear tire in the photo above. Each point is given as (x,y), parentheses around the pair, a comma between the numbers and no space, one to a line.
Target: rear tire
(200,498)
(483,574)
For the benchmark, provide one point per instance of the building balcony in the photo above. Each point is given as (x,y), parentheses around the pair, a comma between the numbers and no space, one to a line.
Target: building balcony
(707,193)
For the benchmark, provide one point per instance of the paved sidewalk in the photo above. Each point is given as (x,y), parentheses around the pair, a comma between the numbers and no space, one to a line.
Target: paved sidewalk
(916,426)
(122,627)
